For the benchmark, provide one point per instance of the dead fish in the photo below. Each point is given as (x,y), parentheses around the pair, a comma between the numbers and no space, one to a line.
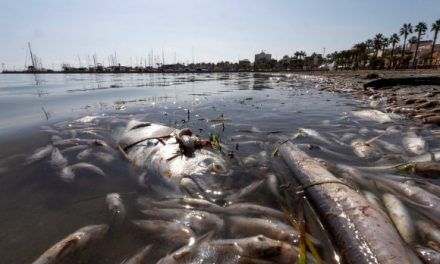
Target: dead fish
(74,242)
(365,149)
(249,208)
(98,143)
(187,253)
(74,148)
(428,255)
(393,130)
(414,144)
(142,257)
(86,119)
(373,200)
(313,147)
(400,216)
(259,246)
(430,169)
(314,134)
(116,207)
(348,136)
(350,213)
(104,156)
(56,138)
(184,202)
(84,154)
(156,148)
(70,133)
(199,221)
(389,146)
(171,231)
(272,182)
(248,226)
(58,161)
(428,231)
(236,196)
(39,154)
(373,115)
(67,173)
(425,202)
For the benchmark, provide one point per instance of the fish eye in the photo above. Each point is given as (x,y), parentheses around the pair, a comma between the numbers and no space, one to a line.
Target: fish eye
(260,238)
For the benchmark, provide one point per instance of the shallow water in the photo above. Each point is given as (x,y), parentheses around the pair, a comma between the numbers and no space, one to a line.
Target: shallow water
(249,112)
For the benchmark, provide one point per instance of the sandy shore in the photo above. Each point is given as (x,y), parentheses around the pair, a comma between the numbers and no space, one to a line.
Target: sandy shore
(421,103)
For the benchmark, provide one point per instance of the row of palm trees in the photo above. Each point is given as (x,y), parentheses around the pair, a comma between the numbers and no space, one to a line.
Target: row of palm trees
(366,54)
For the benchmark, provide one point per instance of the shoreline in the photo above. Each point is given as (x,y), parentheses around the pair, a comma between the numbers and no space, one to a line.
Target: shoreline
(420,103)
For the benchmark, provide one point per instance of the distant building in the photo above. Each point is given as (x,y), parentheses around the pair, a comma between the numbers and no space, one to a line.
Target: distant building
(423,45)
(244,64)
(262,57)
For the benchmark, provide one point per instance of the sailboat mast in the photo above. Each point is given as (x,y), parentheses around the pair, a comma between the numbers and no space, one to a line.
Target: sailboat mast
(32,56)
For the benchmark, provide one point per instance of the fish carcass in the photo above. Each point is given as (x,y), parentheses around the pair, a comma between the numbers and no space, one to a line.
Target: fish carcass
(74,242)
(350,218)
(174,155)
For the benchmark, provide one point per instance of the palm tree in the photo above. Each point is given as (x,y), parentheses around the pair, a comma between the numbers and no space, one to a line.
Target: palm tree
(359,49)
(385,44)
(421,30)
(394,39)
(435,27)
(405,31)
(369,43)
(377,43)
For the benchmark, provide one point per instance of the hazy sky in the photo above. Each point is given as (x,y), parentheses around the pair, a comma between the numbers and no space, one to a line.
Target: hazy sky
(60,30)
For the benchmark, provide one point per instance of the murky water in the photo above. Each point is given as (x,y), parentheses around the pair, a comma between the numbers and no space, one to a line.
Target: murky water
(249,112)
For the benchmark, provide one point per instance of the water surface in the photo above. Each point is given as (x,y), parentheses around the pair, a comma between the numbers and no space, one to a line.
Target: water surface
(255,110)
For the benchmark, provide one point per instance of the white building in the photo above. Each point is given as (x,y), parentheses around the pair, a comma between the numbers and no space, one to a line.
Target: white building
(262,57)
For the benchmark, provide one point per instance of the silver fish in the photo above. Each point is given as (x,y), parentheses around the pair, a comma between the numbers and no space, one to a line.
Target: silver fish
(171,231)
(74,242)
(184,202)
(58,161)
(314,134)
(39,154)
(272,182)
(116,207)
(74,148)
(244,191)
(186,253)
(249,226)
(156,148)
(400,216)
(104,156)
(366,150)
(414,144)
(347,213)
(253,209)
(428,231)
(199,221)
(373,115)
(67,173)
(426,202)
(259,246)
(84,154)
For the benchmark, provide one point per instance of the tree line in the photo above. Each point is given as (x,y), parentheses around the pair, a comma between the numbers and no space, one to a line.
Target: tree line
(375,53)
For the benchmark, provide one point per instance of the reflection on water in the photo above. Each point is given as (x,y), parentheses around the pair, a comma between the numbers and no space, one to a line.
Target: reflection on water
(249,112)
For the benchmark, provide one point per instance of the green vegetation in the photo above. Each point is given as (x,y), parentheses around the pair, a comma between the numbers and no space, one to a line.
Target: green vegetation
(382,52)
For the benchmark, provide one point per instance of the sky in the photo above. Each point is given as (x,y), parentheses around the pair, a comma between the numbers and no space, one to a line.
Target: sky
(70,31)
